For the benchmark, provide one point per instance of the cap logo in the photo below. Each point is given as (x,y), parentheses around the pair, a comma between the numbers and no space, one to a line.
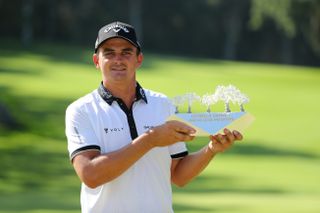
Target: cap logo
(116,28)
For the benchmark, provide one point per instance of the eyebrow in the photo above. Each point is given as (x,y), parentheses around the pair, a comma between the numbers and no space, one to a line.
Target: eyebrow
(129,49)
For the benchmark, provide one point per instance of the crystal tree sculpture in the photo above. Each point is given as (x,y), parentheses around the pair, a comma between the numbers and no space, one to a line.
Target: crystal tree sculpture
(191,97)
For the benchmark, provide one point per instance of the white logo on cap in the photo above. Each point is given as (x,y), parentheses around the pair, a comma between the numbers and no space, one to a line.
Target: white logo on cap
(116,28)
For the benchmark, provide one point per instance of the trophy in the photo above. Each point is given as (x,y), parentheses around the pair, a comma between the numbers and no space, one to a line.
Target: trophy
(210,122)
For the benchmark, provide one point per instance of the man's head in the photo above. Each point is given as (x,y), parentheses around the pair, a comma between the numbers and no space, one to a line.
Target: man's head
(117,30)
(117,53)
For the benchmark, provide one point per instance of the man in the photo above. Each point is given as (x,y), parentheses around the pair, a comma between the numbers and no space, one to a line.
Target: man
(121,147)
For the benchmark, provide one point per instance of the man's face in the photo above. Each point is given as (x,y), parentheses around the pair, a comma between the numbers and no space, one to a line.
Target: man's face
(118,60)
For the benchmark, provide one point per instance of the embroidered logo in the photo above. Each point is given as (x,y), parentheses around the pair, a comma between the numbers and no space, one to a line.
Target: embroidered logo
(116,28)
(107,94)
(104,93)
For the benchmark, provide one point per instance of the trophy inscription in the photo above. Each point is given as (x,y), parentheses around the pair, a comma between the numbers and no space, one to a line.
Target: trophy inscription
(210,122)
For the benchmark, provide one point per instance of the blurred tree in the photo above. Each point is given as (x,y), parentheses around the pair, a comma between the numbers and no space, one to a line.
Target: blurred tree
(309,25)
(279,12)
(27,24)
(135,16)
(297,20)
(233,23)
(254,30)
(50,19)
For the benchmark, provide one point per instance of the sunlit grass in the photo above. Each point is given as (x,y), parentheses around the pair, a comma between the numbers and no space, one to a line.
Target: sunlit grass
(275,169)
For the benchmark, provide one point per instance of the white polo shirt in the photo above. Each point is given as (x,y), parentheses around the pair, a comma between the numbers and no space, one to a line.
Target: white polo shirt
(100,121)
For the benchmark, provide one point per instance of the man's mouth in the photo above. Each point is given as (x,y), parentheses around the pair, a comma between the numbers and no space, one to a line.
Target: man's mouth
(118,69)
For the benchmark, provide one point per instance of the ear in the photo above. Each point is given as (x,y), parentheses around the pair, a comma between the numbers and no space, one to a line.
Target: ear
(140,59)
(95,59)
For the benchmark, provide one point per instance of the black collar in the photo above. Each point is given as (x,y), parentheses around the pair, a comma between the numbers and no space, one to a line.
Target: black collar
(109,98)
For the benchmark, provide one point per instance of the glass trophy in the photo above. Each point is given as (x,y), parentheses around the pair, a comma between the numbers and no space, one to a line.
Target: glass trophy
(210,122)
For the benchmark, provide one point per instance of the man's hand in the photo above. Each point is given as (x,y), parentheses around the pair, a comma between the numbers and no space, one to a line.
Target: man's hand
(170,133)
(221,142)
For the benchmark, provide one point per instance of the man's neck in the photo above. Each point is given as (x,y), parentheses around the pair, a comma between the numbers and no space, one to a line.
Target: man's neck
(126,92)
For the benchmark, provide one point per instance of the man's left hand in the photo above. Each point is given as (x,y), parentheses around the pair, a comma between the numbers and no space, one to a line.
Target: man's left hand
(221,142)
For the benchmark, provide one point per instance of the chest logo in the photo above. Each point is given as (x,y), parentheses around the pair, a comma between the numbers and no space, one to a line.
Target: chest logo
(115,129)
(148,127)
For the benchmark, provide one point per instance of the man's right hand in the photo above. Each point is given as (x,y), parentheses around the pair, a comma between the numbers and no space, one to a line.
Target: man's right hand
(170,133)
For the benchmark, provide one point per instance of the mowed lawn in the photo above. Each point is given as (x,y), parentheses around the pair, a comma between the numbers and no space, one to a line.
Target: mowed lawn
(276,168)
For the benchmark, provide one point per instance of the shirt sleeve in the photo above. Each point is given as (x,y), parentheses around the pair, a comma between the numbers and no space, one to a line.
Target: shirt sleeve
(80,134)
(178,150)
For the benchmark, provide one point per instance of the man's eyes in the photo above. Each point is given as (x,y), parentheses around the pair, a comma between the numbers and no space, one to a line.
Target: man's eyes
(124,53)
(127,53)
(108,53)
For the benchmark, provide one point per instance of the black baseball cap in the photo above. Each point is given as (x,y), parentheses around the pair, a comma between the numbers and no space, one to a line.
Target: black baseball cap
(117,30)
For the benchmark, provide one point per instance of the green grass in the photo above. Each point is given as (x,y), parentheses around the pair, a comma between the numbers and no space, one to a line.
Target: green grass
(275,169)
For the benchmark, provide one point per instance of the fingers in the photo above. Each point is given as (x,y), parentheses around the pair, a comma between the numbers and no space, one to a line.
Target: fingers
(183,137)
(237,135)
(230,136)
(170,133)
(222,138)
(216,145)
(221,142)
(183,132)
(215,139)
(181,127)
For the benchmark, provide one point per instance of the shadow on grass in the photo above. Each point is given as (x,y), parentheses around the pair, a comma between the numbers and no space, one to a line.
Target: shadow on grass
(29,167)
(60,52)
(185,208)
(37,202)
(222,184)
(66,53)
(36,154)
(53,51)
(190,208)
(40,116)
(7,121)
(249,148)
(23,71)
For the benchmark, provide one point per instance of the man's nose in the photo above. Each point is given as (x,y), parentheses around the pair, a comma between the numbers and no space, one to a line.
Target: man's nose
(118,57)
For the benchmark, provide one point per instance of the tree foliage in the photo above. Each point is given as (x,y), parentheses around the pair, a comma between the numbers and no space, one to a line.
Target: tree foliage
(256,30)
(278,11)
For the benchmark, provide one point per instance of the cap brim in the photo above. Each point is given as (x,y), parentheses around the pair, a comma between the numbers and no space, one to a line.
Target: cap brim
(118,36)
